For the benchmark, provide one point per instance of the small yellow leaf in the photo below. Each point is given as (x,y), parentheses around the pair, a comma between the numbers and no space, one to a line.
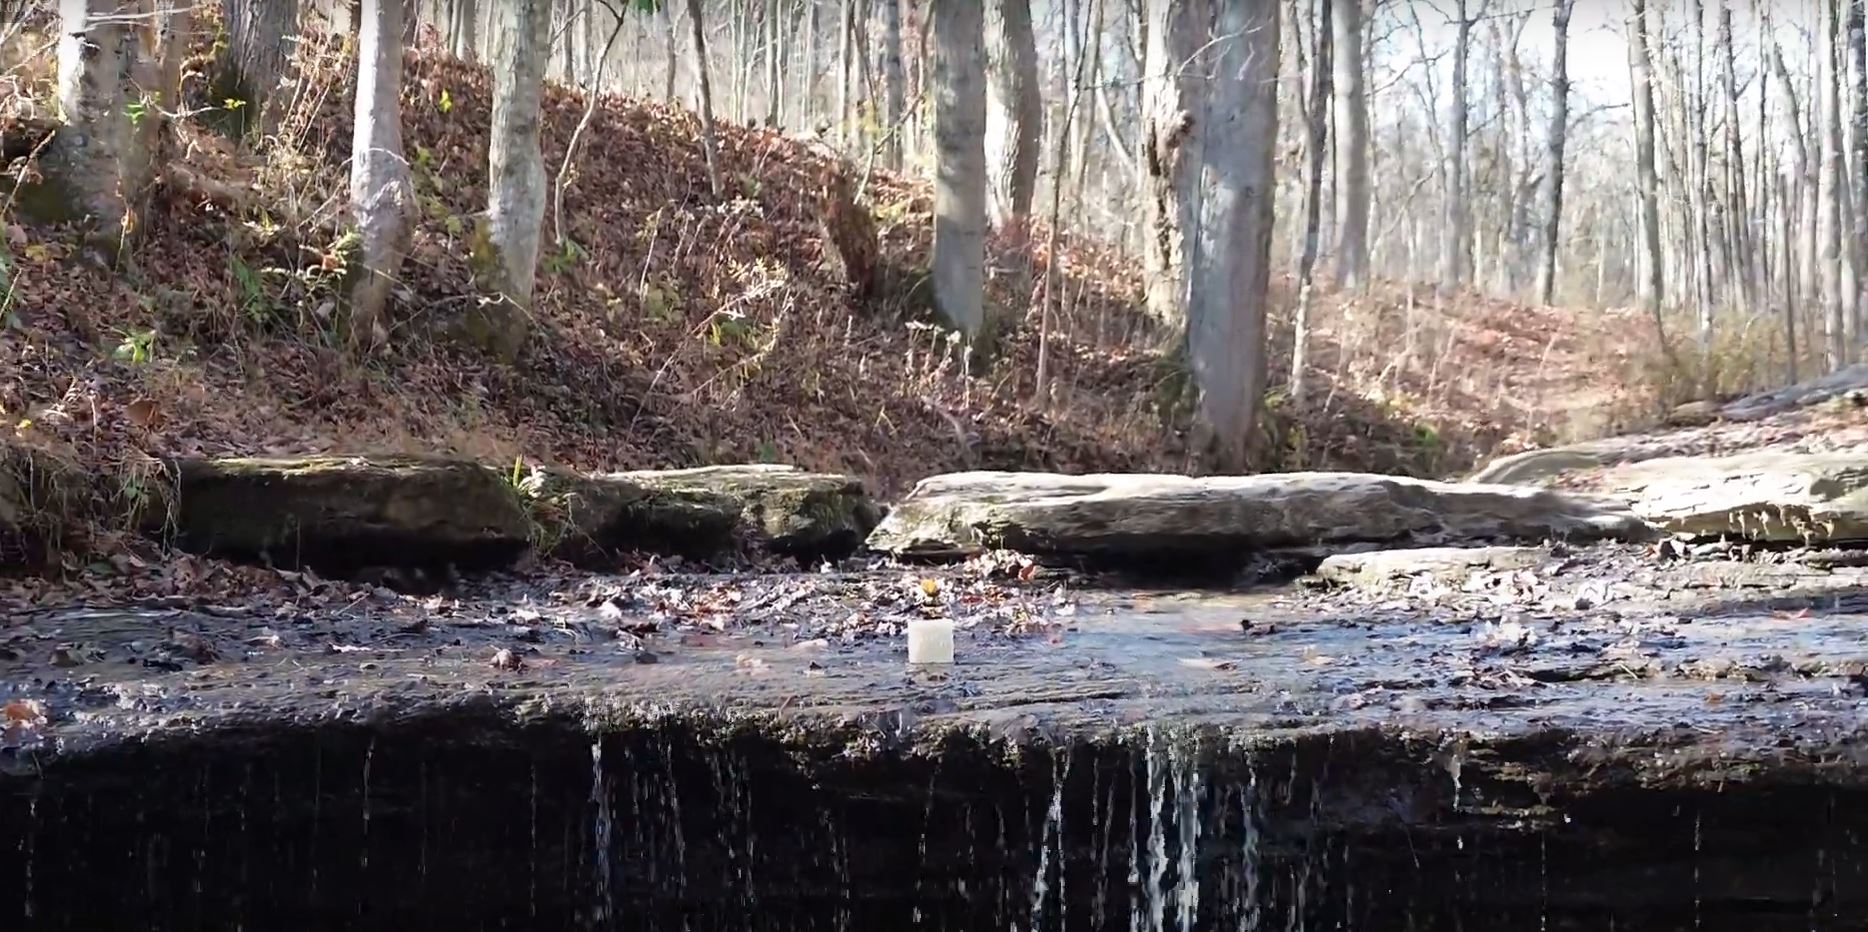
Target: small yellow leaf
(930,587)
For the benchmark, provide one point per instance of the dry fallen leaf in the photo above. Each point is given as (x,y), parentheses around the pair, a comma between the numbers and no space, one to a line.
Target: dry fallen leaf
(142,412)
(23,712)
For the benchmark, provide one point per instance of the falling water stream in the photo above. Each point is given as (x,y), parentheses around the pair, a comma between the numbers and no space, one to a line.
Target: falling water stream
(673,828)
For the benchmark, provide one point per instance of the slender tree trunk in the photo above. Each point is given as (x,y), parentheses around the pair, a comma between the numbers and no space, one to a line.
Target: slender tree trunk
(1802,292)
(674,47)
(774,79)
(1647,182)
(1790,306)
(1319,123)
(469,13)
(99,155)
(1015,118)
(1456,251)
(1174,76)
(710,145)
(959,261)
(1352,147)
(1559,135)
(1230,256)
(380,190)
(846,55)
(507,243)
(1858,193)
(259,43)
(894,90)
(1830,235)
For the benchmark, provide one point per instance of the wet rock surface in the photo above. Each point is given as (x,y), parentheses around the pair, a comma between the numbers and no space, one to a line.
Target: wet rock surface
(1781,497)
(1658,737)
(1438,564)
(1154,516)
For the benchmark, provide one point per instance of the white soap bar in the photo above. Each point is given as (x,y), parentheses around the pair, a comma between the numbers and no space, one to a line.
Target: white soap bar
(930,641)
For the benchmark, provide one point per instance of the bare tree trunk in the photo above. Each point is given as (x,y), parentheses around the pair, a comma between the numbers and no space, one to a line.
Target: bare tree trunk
(1559,135)
(1858,239)
(774,79)
(894,91)
(1015,118)
(846,54)
(1174,69)
(1742,287)
(1647,182)
(1790,305)
(506,247)
(175,21)
(1318,129)
(1352,147)
(710,144)
(1803,291)
(468,13)
(1830,235)
(380,189)
(959,263)
(1456,251)
(252,65)
(99,155)
(1230,255)
(673,45)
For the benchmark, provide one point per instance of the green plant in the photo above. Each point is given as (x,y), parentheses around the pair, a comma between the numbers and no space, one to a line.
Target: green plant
(527,483)
(557,263)
(255,303)
(728,328)
(137,347)
(8,319)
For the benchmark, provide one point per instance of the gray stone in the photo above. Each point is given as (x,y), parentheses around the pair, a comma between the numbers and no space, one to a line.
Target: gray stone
(593,520)
(1538,467)
(1445,564)
(1142,516)
(789,510)
(1803,394)
(344,512)
(1782,497)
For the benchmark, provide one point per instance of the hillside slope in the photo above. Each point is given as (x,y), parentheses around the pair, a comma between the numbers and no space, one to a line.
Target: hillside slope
(679,329)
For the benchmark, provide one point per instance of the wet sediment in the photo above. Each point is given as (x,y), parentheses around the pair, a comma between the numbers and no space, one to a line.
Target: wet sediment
(1163,763)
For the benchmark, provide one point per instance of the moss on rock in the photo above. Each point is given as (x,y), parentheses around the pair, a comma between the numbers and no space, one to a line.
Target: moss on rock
(339,513)
(790,511)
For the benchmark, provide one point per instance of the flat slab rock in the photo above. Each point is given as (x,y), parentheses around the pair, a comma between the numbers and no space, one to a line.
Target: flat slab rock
(341,513)
(1767,497)
(1142,516)
(790,510)
(1444,564)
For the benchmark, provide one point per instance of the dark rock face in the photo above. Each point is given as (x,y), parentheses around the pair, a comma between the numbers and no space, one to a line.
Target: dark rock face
(469,821)
(336,513)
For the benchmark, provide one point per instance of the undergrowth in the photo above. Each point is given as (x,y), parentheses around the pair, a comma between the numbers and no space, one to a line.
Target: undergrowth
(672,328)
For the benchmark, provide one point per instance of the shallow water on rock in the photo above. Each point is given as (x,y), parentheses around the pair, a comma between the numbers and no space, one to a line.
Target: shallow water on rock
(1168,761)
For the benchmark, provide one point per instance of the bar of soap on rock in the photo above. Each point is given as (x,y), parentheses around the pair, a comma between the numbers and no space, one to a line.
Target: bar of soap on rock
(930,641)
